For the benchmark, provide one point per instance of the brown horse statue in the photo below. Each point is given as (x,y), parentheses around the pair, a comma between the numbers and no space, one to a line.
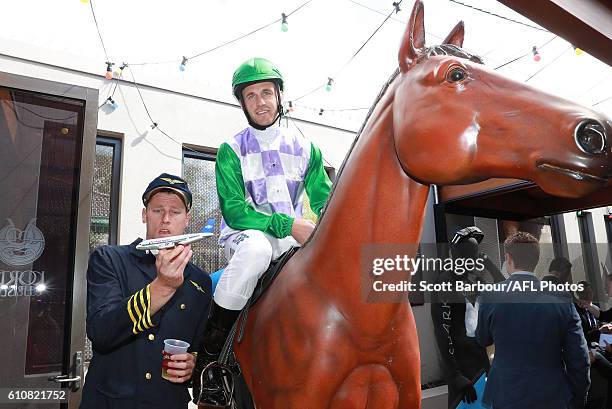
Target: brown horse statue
(312,341)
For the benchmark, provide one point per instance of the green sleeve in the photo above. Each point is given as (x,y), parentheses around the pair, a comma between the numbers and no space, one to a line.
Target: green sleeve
(317,182)
(237,212)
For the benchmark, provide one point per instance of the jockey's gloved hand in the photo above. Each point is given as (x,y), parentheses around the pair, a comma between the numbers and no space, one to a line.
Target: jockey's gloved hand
(467,392)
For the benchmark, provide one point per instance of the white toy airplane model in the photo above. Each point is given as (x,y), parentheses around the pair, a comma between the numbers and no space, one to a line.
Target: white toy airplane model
(172,241)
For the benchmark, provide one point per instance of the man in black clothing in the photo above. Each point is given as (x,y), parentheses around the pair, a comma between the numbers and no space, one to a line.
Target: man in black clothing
(559,271)
(455,316)
(136,300)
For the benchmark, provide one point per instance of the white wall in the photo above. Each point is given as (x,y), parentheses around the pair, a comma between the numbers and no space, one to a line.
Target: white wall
(188,119)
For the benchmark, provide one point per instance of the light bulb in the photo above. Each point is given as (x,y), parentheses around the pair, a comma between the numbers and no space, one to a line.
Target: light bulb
(119,70)
(284,24)
(109,70)
(578,51)
(109,106)
(536,54)
(183,63)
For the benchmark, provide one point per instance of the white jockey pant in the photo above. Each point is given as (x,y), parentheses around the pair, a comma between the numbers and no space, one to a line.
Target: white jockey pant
(248,253)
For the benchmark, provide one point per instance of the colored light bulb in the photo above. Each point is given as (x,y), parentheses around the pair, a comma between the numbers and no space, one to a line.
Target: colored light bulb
(578,51)
(284,24)
(109,70)
(183,64)
(536,54)
(119,71)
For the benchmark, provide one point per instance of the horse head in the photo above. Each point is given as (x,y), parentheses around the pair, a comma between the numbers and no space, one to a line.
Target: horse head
(457,122)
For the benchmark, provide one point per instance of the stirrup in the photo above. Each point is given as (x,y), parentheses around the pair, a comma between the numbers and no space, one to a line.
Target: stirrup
(223,395)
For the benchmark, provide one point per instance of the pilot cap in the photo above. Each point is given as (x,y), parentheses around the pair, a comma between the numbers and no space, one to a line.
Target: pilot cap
(165,181)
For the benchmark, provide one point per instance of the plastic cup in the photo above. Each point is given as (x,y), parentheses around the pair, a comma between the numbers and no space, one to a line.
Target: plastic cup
(172,347)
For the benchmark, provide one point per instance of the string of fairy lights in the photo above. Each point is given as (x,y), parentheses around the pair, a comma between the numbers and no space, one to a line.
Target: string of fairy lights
(282,22)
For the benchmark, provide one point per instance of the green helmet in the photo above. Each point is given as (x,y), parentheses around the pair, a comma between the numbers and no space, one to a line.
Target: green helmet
(255,70)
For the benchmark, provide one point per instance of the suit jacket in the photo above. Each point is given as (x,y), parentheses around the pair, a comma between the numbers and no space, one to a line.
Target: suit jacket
(125,371)
(541,358)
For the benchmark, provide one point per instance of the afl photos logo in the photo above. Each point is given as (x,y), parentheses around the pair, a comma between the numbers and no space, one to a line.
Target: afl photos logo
(20,247)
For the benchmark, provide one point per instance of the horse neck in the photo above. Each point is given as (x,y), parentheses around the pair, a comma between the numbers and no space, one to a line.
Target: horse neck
(374,202)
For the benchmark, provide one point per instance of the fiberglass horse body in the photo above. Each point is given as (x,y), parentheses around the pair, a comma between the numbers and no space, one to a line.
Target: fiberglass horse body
(312,341)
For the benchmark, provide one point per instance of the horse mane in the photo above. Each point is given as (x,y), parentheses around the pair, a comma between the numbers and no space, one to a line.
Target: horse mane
(443,49)
(449,49)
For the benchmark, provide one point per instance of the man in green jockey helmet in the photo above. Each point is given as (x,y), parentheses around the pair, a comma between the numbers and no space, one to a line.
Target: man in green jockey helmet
(262,79)
(262,173)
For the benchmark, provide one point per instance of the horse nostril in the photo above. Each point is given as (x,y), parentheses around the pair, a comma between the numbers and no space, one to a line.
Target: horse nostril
(590,136)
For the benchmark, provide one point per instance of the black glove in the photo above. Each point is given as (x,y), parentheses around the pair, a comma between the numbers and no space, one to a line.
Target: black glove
(466,233)
(465,388)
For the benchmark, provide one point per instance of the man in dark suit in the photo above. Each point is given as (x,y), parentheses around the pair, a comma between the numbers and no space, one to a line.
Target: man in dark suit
(541,358)
(136,300)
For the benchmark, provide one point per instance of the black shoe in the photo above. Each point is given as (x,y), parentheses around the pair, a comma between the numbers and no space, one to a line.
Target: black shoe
(220,322)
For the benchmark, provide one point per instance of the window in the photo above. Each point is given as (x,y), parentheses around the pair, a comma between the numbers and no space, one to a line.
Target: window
(104,199)
(589,254)
(105,192)
(199,172)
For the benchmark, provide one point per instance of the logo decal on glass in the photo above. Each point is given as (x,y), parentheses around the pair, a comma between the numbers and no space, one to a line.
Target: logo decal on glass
(21,247)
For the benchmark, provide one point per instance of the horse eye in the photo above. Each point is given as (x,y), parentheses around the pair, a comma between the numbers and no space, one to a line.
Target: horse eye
(456,75)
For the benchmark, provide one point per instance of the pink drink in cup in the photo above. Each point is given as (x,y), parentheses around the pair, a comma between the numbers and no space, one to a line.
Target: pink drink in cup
(172,347)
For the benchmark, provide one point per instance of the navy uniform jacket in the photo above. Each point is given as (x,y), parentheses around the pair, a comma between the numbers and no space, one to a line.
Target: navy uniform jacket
(541,358)
(125,371)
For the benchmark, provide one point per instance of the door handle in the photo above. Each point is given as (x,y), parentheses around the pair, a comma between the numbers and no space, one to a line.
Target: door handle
(64,379)
(74,379)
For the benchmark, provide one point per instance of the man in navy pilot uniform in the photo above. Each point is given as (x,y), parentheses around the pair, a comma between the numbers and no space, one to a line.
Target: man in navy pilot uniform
(136,300)
(541,359)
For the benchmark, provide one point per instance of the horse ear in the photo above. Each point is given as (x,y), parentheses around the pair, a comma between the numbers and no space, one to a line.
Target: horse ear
(456,35)
(414,38)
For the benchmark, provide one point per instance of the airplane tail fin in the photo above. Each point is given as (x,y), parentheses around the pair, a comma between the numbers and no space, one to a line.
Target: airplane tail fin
(208,226)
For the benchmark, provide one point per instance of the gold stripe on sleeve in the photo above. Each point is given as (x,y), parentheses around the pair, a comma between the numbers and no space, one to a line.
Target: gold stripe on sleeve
(137,312)
(149,306)
(129,308)
(143,304)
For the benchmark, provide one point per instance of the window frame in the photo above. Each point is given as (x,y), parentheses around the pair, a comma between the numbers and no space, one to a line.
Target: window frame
(114,140)
(590,255)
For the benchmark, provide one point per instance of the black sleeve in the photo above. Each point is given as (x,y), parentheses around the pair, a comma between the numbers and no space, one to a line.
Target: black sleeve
(496,273)
(576,359)
(112,318)
(441,314)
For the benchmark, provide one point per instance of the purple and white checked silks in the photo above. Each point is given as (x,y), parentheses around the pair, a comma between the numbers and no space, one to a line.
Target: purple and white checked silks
(273,164)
